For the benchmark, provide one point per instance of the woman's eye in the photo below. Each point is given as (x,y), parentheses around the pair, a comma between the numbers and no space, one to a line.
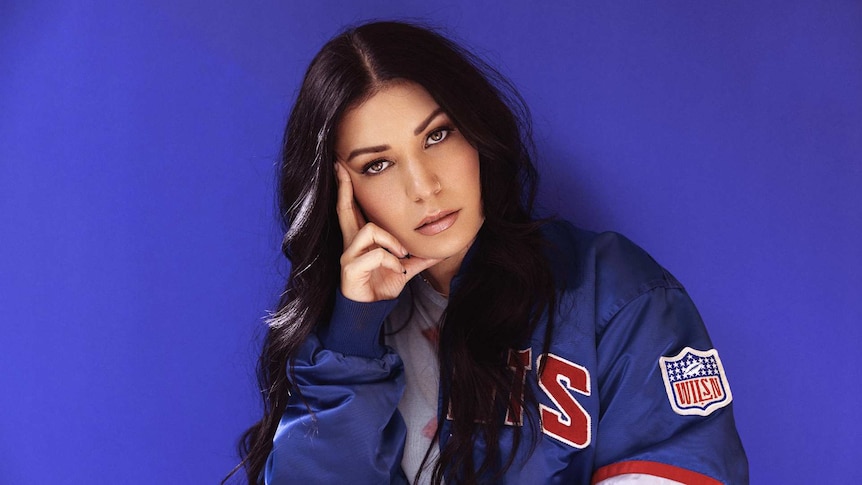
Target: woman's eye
(376,167)
(437,136)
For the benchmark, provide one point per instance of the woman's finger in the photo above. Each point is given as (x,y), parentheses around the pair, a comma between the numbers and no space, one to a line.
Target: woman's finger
(371,261)
(375,275)
(349,218)
(369,237)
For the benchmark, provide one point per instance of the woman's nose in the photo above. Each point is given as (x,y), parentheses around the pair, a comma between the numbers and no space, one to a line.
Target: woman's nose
(423,182)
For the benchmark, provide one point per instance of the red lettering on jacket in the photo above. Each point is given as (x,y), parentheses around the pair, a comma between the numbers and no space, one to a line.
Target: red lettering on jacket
(515,414)
(705,390)
(696,391)
(683,393)
(569,422)
(716,387)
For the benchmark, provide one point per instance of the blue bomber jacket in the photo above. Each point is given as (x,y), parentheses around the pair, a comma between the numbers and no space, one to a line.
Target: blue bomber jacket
(632,385)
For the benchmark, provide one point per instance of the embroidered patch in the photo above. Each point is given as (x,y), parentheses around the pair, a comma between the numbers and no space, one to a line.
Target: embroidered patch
(695,382)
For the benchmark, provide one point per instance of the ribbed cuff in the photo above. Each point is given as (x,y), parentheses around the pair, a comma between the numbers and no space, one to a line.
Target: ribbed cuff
(355,327)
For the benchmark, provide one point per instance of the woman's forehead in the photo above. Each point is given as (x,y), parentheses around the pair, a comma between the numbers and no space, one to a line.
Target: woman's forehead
(394,111)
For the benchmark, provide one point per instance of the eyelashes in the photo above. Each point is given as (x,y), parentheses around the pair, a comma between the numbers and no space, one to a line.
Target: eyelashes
(437,135)
(375,167)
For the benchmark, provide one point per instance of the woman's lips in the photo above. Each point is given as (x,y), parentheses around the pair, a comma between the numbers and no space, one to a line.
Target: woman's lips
(438,223)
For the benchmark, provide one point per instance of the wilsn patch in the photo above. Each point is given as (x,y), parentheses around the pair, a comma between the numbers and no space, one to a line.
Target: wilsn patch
(695,382)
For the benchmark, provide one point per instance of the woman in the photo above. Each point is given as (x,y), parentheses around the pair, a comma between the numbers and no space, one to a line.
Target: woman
(421,282)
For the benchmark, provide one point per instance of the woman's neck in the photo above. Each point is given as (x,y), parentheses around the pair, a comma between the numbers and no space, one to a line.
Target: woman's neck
(440,275)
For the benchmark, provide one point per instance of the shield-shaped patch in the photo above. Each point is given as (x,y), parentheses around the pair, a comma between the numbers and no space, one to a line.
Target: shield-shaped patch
(695,382)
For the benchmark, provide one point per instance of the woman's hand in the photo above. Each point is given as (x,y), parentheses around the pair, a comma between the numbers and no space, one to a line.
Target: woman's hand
(374,265)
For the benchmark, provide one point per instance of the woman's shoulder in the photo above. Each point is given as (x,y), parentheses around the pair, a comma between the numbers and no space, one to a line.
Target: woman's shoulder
(607,263)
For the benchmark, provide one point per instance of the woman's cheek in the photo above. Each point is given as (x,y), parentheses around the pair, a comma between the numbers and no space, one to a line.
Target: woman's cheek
(369,206)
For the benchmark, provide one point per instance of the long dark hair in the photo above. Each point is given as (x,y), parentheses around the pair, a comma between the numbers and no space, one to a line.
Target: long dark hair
(508,285)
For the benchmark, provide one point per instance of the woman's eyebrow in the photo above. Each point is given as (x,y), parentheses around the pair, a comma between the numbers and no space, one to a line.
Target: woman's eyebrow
(382,148)
(361,151)
(428,120)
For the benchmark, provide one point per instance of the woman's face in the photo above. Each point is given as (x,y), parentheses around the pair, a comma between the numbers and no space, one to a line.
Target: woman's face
(413,172)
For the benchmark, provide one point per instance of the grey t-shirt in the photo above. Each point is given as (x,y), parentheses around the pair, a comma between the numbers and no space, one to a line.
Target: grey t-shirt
(415,340)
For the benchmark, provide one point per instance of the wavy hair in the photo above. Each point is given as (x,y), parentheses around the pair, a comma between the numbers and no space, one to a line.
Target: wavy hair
(508,285)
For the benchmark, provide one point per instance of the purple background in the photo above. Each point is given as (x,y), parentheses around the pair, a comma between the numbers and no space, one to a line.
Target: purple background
(140,252)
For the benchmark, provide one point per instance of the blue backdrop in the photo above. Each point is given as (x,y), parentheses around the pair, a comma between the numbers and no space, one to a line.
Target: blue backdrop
(140,251)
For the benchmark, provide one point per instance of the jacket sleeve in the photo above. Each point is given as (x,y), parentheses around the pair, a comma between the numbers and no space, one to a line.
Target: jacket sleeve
(345,426)
(665,401)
